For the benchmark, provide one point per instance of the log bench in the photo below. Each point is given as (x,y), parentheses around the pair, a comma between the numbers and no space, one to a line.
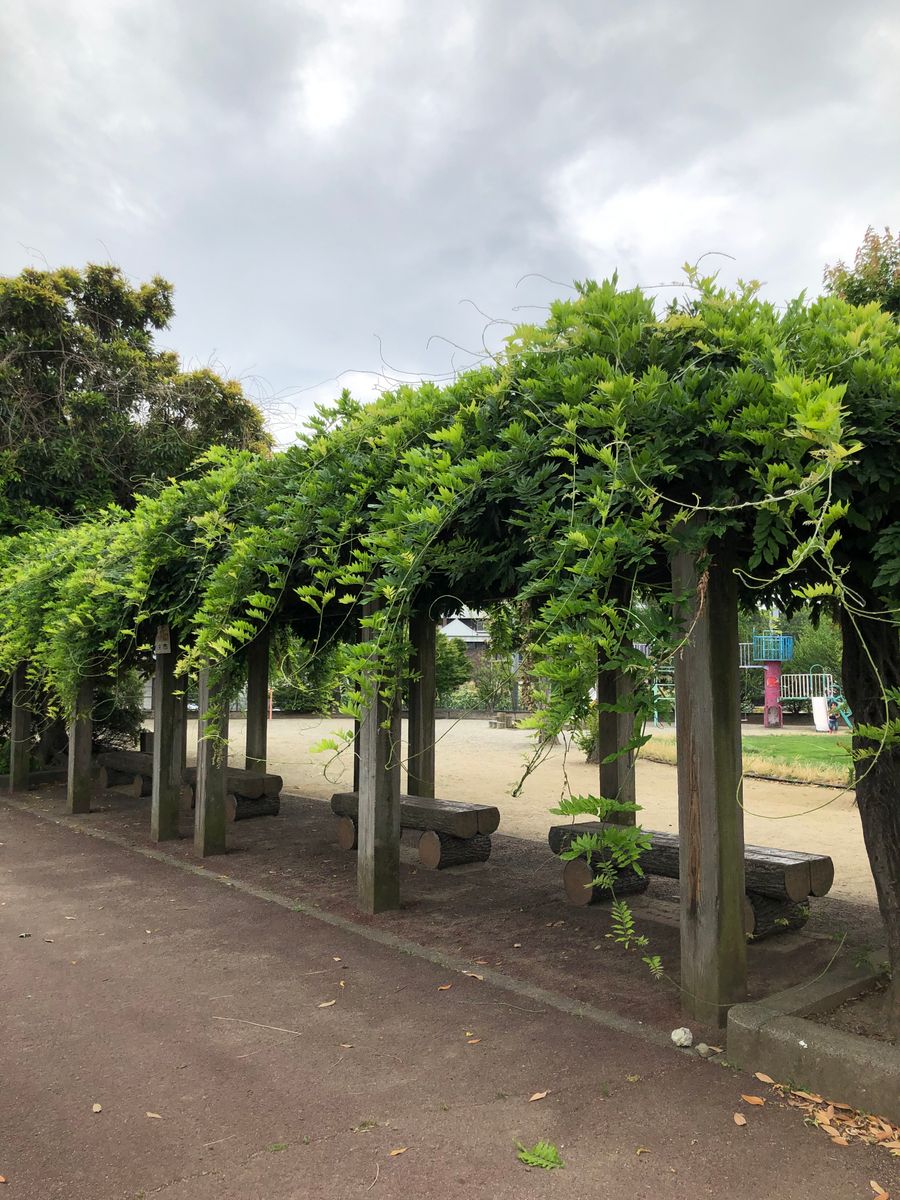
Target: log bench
(451,833)
(250,793)
(778,882)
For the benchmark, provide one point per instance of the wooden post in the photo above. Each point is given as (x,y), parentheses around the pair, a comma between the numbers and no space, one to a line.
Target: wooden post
(357,726)
(710,816)
(614,730)
(183,700)
(168,721)
(420,754)
(78,791)
(378,855)
(19,732)
(210,817)
(257,702)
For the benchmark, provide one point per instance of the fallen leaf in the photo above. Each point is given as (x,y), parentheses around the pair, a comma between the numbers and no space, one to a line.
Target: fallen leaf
(335,958)
(96,1108)
(155,1116)
(877,1188)
(50,940)
(482,962)
(740,1119)
(474,1041)
(764,1078)
(472,975)
(399,1150)
(537,1096)
(829,1129)
(642,1150)
(2,1179)
(753,1099)
(346,1045)
(444,987)
(840,1141)
(717,1049)
(633,1078)
(341,983)
(327,1003)
(808,1096)
(71,918)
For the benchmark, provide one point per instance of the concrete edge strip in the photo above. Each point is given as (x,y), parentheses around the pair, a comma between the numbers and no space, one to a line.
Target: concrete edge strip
(392,941)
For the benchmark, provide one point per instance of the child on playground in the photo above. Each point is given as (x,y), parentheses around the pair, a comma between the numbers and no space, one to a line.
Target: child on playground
(832,716)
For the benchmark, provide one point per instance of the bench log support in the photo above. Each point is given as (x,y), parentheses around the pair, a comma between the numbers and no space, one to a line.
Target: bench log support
(420,755)
(710,817)
(256,748)
(79,787)
(19,732)
(210,809)
(168,718)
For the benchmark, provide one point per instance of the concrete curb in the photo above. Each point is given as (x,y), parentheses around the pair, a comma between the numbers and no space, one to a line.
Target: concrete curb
(775,1036)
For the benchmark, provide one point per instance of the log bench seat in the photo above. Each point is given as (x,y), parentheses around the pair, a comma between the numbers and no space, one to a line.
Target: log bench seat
(451,833)
(778,882)
(250,793)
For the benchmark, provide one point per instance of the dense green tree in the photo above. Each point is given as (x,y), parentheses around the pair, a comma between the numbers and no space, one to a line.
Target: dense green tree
(874,276)
(90,409)
(451,668)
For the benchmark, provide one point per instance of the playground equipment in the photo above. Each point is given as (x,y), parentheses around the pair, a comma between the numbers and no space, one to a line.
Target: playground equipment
(768,652)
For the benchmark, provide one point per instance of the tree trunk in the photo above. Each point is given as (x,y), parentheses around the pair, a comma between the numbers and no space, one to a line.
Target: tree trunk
(871,663)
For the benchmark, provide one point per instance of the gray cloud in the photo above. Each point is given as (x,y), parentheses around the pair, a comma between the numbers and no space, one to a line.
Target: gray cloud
(313,174)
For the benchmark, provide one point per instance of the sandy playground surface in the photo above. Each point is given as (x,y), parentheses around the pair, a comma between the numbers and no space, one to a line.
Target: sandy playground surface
(483,765)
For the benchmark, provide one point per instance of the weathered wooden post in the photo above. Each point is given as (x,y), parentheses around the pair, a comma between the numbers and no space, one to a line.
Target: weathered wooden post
(19,732)
(615,729)
(710,816)
(79,788)
(257,702)
(378,854)
(210,815)
(420,754)
(357,726)
(168,720)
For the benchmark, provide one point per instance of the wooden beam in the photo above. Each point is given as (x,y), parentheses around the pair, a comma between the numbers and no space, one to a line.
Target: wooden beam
(710,816)
(210,811)
(168,720)
(79,788)
(420,753)
(378,856)
(257,702)
(615,730)
(19,732)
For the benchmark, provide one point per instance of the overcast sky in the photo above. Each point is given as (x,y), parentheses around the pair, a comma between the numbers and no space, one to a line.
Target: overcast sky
(329,183)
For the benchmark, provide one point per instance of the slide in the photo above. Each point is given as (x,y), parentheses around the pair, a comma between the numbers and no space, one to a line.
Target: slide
(820,713)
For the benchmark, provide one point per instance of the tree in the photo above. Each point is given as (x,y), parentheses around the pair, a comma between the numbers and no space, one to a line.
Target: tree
(90,410)
(451,668)
(874,276)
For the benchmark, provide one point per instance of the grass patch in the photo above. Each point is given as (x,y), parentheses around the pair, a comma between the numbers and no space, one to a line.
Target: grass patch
(803,757)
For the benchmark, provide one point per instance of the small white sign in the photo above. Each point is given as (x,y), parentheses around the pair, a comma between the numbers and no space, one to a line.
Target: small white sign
(163,643)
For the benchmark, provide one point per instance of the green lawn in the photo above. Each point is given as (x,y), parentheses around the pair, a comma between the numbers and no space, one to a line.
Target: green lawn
(815,749)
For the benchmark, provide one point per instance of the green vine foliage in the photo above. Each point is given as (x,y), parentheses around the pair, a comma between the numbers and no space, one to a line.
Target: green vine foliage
(551,486)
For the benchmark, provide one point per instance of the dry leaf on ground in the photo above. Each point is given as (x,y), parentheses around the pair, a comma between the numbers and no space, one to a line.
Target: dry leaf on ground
(764,1078)
(472,975)
(740,1119)
(537,1096)
(327,1003)
(399,1150)
(444,987)
(474,1041)
(155,1116)
(753,1099)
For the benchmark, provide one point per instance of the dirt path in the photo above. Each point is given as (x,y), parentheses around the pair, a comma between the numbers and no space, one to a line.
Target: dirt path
(477,763)
(229,1063)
